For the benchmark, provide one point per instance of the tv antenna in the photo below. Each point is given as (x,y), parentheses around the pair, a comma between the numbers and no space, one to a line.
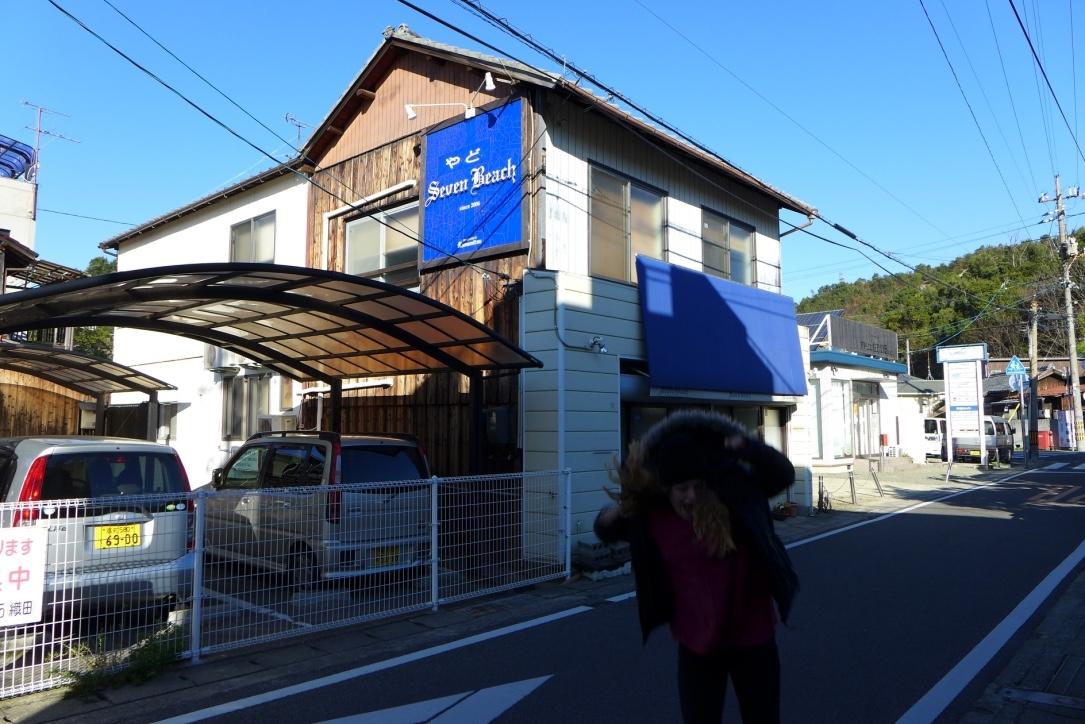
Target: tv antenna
(32,172)
(293,121)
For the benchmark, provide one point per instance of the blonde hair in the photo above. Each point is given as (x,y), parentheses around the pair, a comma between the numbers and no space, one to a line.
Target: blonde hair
(639,491)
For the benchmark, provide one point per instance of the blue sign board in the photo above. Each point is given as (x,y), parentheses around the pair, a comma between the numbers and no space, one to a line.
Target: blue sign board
(1015,367)
(472,195)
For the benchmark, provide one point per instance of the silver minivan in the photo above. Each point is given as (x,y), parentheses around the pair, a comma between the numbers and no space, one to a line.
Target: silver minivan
(321,506)
(119,520)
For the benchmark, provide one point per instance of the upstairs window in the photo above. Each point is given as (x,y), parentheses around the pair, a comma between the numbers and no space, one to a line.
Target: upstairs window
(254,240)
(727,247)
(626,220)
(385,246)
(244,401)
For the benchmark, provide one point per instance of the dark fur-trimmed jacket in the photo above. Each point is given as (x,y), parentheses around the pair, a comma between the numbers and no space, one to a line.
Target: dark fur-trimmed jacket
(764,472)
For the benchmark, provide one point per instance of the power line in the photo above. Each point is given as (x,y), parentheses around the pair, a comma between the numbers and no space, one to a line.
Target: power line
(92,218)
(260,150)
(1047,80)
(796,123)
(971,112)
(1009,94)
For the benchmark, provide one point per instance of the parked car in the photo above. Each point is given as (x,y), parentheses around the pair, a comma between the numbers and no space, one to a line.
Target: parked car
(295,502)
(934,435)
(998,438)
(119,522)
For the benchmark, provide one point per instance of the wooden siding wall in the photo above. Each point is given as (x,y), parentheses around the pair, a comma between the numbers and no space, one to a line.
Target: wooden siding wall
(31,406)
(413,79)
(434,407)
(576,138)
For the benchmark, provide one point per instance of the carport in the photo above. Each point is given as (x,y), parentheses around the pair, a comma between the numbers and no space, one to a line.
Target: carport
(307,324)
(86,374)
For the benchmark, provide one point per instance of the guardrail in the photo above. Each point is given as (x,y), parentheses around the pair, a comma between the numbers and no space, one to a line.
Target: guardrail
(91,583)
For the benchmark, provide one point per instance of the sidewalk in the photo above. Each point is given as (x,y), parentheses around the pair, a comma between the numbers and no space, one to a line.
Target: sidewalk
(1051,662)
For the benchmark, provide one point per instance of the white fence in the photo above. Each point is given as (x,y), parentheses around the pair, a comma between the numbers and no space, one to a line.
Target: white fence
(115,576)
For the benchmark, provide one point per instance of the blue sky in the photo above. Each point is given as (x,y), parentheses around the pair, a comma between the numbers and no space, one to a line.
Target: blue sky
(848,105)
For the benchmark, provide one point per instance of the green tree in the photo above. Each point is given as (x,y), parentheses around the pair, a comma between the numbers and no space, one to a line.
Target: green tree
(97,341)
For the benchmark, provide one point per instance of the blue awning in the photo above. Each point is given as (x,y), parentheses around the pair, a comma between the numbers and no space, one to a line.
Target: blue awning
(15,157)
(706,333)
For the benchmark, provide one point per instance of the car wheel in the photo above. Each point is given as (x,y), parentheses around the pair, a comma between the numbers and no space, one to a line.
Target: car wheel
(304,571)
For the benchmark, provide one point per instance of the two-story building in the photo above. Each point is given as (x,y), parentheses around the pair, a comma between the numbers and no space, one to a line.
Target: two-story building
(642,271)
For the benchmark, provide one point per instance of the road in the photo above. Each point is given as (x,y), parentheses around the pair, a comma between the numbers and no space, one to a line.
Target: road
(887,610)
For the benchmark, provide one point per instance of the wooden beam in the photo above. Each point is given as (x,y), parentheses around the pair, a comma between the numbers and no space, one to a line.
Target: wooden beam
(367,94)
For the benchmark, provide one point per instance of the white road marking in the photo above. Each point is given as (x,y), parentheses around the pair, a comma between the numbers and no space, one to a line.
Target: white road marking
(288,691)
(935,701)
(262,610)
(1055,466)
(622,597)
(468,707)
(910,508)
(1080,467)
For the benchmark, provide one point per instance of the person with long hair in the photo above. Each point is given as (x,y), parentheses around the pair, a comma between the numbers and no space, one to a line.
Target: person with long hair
(693,504)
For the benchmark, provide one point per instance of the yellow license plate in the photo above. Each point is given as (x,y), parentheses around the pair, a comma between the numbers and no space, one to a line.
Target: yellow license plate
(385,556)
(116,536)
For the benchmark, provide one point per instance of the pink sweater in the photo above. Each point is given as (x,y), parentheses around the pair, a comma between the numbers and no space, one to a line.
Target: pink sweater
(719,603)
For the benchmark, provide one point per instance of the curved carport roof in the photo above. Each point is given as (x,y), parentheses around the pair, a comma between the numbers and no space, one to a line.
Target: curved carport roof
(77,371)
(307,324)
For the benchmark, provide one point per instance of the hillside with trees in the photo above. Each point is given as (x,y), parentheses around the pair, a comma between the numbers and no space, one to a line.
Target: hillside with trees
(983,296)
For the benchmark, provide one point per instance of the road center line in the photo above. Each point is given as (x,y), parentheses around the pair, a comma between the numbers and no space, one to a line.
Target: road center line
(269,696)
(953,683)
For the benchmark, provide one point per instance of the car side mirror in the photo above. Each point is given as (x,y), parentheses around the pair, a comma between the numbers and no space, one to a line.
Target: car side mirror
(216,478)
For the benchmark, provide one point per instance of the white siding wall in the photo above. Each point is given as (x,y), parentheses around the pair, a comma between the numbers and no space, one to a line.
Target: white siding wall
(833,414)
(576,139)
(911,416)
(17,210)
(203,236)
(571,416)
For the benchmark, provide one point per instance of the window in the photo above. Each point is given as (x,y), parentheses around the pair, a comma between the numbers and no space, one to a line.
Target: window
(244,400)
(726,247)
(295,465)
(254,240)
(626,220)
(167,421)
(244,472)
(385,246)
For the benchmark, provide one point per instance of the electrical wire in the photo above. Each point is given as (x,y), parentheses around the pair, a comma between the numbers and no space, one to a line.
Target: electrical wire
(1009,94)
(786,115)
(1047,80)
(91,218)
(251,144)
(971,112)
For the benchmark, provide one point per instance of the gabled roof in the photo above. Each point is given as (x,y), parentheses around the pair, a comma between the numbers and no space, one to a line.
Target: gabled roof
(22,263)
(402,40)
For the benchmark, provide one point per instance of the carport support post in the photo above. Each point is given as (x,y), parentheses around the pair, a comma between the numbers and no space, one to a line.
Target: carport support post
(474,444)
(152,416)
(99,413)
(336,424)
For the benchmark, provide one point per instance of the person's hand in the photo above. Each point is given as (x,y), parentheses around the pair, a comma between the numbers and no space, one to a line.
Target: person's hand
(608,516)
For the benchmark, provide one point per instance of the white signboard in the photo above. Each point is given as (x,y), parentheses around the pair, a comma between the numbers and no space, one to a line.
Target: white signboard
(961,353)
(22,574)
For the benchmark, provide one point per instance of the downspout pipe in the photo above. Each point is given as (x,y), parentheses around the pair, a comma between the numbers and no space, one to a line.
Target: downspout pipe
(810,219)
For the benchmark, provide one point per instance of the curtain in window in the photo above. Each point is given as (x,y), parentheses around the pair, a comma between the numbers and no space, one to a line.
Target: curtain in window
(645,226)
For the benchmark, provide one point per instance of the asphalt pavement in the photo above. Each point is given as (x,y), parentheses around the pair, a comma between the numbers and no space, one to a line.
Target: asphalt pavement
(1043,681)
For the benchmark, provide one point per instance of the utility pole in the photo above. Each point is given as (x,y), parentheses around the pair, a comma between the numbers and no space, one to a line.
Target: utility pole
(908,355)
(1068,251)
(1032,451)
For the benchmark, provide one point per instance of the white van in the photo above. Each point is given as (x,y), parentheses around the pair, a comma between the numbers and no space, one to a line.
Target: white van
(934,434)
(998,438)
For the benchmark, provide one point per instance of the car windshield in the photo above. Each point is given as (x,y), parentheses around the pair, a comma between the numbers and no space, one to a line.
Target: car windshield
(105,474)
(381,462)
(988,428)
(930,426)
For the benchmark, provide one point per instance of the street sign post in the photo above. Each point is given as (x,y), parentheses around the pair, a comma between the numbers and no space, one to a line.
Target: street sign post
(1018,379)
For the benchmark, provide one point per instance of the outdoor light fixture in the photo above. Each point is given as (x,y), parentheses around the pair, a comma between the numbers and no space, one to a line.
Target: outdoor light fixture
(468,108)
(597,345)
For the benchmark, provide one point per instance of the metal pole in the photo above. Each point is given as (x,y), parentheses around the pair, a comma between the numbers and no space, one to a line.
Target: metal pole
(1068,249)
(434,560)
(1034,392)
(197,575)
(567,519)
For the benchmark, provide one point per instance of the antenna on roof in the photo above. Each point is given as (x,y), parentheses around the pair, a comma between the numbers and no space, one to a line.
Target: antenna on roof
(32,172)
(293,121)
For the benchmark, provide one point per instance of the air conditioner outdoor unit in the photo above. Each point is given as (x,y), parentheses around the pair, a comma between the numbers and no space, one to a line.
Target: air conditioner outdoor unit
(217,359)
(276,423)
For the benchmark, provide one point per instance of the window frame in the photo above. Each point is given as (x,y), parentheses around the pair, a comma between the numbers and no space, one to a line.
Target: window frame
(252,229)
(380,217)
(629,183)
(751,254)
(244,408)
